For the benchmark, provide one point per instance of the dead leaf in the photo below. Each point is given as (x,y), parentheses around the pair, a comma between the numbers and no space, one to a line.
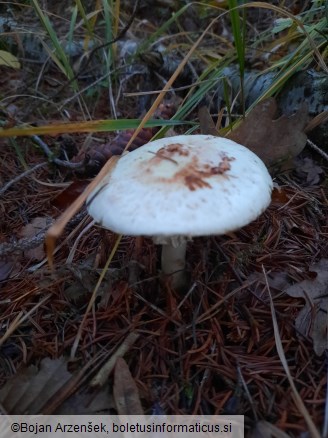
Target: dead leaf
(9,60)
(274,141)
(206,123)
(277,279)
(68,195)
(279,196)
(312,320)
(30,389)
(125,390)
(31,231)
(307,170)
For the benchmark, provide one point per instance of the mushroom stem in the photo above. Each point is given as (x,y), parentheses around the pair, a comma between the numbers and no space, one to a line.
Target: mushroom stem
(173,262)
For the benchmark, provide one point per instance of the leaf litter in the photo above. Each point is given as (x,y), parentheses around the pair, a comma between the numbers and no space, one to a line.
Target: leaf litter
(125,390)
(187,361)
(31,388)
(286,133)
(287,136)
(312,319)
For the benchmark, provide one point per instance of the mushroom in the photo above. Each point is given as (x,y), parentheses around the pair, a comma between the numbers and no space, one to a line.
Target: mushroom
(178,187)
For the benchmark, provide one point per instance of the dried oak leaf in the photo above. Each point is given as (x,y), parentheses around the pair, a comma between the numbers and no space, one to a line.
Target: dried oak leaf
(274,141)
(312,320)
(207,126)
(125,390)
(30,389)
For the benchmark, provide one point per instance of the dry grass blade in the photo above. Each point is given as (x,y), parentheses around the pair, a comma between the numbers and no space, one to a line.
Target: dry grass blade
(57,228)
(169,83)
(298,401)
(316,121)
(299,23)
(105,371)
(20,176)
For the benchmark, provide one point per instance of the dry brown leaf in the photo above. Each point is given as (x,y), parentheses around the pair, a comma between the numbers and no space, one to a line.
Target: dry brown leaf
(316,121)
(275,141)
(206,123)
(125,390)
(31,230)
(312,319)
(30,389)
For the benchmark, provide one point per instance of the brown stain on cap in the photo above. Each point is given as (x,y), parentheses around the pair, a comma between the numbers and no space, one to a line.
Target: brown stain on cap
(193,174)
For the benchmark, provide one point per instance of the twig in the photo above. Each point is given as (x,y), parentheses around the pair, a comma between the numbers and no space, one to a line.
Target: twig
(27,243)
(317,149)
(53,159)
(23,244)
(19,177)
(104,372)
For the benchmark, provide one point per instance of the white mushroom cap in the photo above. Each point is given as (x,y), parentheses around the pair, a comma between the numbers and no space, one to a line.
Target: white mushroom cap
(187,185)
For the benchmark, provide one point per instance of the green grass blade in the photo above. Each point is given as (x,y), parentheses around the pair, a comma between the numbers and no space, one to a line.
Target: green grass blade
(84,17)
(238,25)
(72,26)
(89,126)
(60,53)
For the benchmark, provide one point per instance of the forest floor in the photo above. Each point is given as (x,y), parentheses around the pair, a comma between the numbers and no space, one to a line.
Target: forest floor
(213,349)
